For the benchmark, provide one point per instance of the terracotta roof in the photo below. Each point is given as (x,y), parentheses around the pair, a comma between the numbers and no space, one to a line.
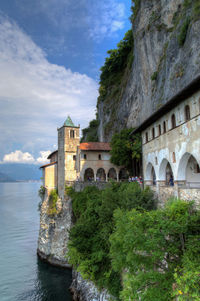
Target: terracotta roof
(48,164)
(49,156)
(95,146)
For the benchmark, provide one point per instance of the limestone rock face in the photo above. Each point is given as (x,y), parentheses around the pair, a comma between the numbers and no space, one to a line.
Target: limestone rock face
(161,67)
(83,290)
(53,234)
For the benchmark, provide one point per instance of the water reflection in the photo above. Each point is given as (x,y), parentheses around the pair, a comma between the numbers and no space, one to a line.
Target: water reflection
(51,284)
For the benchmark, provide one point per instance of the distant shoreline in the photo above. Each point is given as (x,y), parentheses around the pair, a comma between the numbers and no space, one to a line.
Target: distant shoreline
(21,181)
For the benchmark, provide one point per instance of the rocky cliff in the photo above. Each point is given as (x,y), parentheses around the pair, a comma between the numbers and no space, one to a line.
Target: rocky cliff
(52,247)
(54,232)
(166,59)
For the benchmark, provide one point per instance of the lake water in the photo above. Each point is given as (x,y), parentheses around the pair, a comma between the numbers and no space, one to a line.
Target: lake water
(23,277)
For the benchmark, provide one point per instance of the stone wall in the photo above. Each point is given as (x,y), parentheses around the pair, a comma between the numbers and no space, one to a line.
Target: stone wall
(190,195)
(79,185)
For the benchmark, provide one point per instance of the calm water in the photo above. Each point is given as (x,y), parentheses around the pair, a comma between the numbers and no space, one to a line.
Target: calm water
(22,276)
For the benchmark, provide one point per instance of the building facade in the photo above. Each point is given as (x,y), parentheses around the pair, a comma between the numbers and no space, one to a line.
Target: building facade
(171,148)
(75,161)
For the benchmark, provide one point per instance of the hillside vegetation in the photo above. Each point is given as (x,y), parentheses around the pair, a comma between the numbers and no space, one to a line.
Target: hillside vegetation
(121,242)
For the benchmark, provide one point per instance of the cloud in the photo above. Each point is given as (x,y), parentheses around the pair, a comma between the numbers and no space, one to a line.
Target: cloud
(18,157)
(43,157)
(35,95)
(99,18)
(107,18)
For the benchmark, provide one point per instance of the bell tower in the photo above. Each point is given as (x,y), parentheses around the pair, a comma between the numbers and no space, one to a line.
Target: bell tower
(68,140)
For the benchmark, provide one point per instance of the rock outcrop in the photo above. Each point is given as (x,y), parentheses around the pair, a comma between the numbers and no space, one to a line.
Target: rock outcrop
(166,60)
(54,232)
(83,290)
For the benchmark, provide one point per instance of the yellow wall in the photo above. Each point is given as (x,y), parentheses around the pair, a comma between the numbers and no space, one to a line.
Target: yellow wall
(50,177)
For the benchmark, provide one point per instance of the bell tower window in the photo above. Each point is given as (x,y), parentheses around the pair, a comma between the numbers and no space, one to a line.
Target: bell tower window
(72,134)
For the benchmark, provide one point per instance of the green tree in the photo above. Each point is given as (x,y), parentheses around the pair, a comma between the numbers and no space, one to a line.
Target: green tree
(89,243)
(125,148)
(158,250)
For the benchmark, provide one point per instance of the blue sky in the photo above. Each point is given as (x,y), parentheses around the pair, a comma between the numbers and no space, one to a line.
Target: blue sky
(50,55)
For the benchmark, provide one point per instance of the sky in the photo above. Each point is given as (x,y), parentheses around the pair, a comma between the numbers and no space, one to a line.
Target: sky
(50,55)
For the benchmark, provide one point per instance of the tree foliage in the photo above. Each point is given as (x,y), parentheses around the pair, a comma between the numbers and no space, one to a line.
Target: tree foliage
(125,148)
(115,64)
(158,250)
(90,133)
(89,238)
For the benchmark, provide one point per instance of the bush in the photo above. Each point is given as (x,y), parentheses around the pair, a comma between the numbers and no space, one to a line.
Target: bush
(53,197)
(154,75)
(183,32)
(41,192)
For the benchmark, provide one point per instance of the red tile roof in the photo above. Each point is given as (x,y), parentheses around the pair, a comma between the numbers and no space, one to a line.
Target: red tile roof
(95,146)
(48,164)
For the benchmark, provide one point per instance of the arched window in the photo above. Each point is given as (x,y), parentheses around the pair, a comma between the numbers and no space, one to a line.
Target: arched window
(164,127)
(71,133)
(173,120)
(153,133)
(99,156)
(187,113)
(174,157)
(159,130)
(147,138)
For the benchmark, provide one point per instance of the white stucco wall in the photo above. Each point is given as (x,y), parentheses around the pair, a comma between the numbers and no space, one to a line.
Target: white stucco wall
(176,145)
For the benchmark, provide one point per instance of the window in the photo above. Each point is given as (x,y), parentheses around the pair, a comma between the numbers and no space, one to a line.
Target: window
(156,159)
(71,133)
(153,133)
(74,158)
(99,156)
(174,157)
(147,139)
(197,169)
(159,130)
(85,156)
(164,127)
(187,113)
(173,120)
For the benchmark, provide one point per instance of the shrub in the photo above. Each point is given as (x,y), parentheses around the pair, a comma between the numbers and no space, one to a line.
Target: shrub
(183,32)
(41,192)
(53,197)
(154,75)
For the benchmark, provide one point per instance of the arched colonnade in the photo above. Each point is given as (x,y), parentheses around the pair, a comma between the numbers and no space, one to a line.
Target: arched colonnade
(103,175)
(166,172)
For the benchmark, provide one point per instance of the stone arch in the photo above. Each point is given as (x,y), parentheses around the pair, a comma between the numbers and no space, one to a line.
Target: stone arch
(150,174)
(101,175)
(89,174)
(123,174)
(188,169)
(166,172)
(112,174)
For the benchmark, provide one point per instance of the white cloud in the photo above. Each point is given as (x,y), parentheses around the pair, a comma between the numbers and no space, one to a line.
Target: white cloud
(35,95)
(106,18)
(25,157)
(90,15)
(18,157)
(43,157)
